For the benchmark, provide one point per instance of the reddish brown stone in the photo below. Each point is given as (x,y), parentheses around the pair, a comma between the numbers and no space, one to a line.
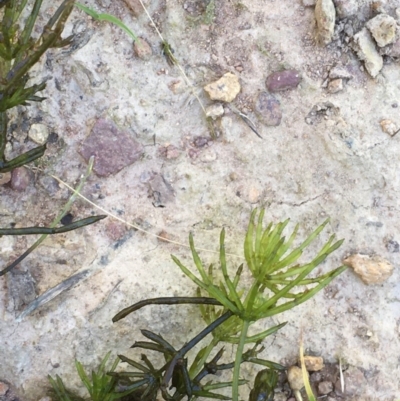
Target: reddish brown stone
(20,178)
(112,148)
(282,80)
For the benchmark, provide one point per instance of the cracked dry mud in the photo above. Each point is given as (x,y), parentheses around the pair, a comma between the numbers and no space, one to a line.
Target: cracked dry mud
(328,157)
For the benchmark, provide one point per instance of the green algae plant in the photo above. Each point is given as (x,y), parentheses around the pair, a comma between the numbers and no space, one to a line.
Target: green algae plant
(19,52)
(279,283)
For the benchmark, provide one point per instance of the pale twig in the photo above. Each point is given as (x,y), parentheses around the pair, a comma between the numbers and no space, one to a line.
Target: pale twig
(130,224)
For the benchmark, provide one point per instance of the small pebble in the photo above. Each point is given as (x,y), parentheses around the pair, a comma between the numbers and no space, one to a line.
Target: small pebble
(325,387)
(20,179)
(268,109)
(215,110)
(142,49)
(295,378)
(383,28)
(112,147)
(201,141)
(388,127)
(339,72)
(38,133)
(283,80)
(209,155)
(364,46)
(325,15)
(4,388)
(371,269)
(392,246)
(354,382)
(336,85)
(346,8)
(313,363)
(5,178)
(225,89)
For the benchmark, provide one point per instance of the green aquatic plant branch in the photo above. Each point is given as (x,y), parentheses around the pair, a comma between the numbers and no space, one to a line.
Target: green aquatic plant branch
(19,52)
(238,360)
(273,266)
(52,227)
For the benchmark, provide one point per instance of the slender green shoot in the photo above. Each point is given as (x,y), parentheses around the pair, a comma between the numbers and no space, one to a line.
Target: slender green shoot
(108,18)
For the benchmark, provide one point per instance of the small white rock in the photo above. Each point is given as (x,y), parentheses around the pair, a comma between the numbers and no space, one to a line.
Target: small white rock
(215,110)
(339,72)
(388,127)
(383,28)
(365,48)
(371,269)
(225,89)
(39,133)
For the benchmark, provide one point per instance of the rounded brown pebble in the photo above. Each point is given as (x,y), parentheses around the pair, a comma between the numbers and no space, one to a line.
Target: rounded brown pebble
(325,387)
(20,178)
(283,80)
(142,49)
(268,109)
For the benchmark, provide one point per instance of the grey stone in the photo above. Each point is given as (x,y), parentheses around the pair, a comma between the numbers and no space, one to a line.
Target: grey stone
(309,3)
(325,15)
(325,387)
(161,191)
(354,383)
(268,109)
(392,246)
(282,80)
(383,28)
(395,50)
(112,148)
(346,8)
(365,48)
(21,289)
(20,179)
(340,72)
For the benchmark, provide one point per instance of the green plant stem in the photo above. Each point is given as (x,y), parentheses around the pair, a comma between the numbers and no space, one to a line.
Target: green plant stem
(55,221)
(213,343)
(3,134)
(238,360)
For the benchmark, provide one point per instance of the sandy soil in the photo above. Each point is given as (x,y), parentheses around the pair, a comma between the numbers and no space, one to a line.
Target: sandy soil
(337,164)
